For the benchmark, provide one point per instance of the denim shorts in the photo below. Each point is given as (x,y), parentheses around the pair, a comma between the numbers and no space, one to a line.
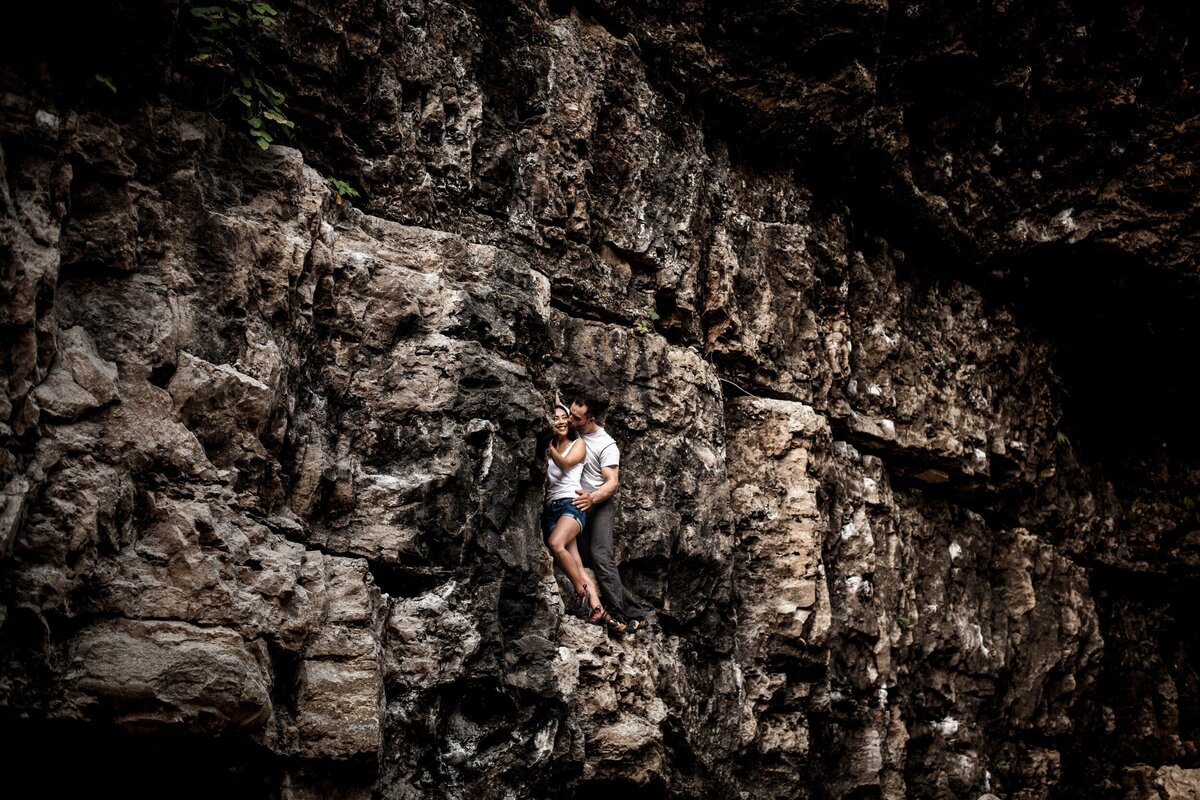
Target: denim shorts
(554,510)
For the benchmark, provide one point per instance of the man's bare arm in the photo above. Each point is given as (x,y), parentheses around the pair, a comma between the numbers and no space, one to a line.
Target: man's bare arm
(612,482)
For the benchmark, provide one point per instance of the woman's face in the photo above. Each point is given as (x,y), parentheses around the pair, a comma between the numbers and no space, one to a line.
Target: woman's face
(559,422)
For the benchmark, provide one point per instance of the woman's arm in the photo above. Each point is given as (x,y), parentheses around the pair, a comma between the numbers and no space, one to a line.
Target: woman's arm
(578,451)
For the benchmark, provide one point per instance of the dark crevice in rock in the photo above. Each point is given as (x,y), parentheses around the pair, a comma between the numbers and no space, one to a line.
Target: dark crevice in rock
(398,580)
(91,271)
(1124,335)
(1151,652)
(607,789)
(909,462)
(161,375)
(285,669)
(579,306)
(109,760)
(731,390)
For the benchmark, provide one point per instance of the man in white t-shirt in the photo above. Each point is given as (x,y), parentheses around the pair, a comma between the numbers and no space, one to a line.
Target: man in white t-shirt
(600,480)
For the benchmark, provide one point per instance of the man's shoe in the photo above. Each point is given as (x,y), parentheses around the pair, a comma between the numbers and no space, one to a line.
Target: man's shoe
(616,627)
(634,625)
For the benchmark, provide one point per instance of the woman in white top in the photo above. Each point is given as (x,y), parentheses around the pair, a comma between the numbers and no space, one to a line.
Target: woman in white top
(562,522)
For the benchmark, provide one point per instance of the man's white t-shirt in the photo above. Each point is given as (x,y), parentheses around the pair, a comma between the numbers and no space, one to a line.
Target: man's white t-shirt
(602,451)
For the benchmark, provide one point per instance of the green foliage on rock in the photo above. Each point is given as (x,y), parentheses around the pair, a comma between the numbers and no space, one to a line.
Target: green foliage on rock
(644,324)
(106,81)
(344,189)
(224,39)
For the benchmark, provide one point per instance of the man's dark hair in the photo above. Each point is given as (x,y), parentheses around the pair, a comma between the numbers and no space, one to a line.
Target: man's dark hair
(595,406)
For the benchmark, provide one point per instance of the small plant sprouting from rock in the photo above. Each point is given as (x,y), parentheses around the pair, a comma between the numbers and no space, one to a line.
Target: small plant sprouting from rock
(224,39)
(1193,507)
(644,323)
(1061,438)
(344,190)
(106,81)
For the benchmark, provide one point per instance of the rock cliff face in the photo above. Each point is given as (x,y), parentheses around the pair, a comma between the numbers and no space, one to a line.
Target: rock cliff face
(893,302)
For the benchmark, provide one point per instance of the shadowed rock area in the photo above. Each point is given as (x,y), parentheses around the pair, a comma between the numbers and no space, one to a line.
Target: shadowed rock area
(894,304)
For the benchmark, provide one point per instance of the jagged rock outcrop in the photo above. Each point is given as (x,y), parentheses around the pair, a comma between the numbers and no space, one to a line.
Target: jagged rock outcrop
(272,469)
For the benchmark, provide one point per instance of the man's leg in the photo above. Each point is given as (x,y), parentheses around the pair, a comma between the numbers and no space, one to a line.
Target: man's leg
(600,546)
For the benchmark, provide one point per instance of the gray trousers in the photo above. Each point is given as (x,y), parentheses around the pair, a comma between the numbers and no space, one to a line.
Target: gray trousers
(596,550)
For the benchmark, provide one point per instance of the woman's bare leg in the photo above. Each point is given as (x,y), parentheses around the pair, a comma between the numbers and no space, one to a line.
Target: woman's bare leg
(561,537)
(593,595)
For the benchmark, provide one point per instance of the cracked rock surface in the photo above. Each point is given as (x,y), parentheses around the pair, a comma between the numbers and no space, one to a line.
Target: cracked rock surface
(893,303)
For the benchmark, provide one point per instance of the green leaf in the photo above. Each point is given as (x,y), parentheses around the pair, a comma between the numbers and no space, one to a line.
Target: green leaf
(343,188)
(255,122)
(272,96)
(1061,438)
(209,13)
(106,80)
(278,118)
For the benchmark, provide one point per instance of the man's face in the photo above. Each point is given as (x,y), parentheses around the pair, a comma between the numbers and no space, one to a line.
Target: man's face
(579,417)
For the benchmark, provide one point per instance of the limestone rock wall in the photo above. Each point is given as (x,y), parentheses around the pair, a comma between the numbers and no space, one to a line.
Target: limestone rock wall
(271,468)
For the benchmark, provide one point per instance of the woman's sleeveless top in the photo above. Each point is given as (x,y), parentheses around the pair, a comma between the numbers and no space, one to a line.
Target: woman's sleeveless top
(563,484)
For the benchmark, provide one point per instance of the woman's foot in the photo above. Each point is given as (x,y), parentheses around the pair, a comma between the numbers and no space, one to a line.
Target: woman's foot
(582,607)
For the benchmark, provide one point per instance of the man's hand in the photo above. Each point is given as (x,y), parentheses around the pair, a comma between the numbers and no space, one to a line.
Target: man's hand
(584,501)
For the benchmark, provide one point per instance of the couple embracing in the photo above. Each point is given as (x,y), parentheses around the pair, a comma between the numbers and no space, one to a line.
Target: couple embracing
(583,473)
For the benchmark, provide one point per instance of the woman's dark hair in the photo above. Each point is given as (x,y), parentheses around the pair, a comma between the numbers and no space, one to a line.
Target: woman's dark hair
(571,434)
(545,434)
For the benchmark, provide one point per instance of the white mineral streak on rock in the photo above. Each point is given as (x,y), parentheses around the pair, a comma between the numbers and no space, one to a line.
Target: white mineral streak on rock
(979,638)
(947,726)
